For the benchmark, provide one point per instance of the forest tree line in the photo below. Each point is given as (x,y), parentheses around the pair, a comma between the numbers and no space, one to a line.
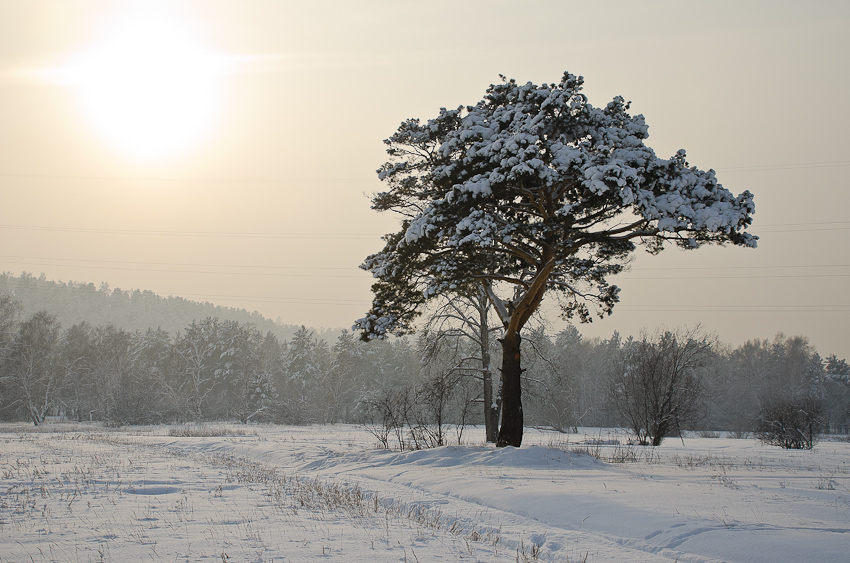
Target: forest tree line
(218,369)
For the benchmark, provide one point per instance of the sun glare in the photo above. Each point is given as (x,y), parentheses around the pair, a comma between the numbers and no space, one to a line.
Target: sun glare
(148,87)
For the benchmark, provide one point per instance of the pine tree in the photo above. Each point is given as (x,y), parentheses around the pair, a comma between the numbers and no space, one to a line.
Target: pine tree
(533,192)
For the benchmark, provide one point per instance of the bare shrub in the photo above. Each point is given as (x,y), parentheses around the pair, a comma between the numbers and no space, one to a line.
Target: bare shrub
(659,391)
(202,431)
(791,423)
(419,416)
(386,412)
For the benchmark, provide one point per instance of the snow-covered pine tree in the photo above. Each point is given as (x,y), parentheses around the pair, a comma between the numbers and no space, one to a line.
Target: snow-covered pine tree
(533,191)
(306,365)
(346,378)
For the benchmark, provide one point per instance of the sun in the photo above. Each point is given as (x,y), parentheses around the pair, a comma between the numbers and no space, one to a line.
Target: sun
(149,88)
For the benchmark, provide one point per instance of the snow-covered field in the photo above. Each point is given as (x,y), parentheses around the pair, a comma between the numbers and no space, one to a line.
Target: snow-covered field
(269,493)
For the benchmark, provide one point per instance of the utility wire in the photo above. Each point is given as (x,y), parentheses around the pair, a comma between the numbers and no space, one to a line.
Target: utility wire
(180,264)
(195,180)
(624,276)
(753,277)
(803,224)
(363,236)
(724,309)
(268,267)
(192,233)
(161,270)
(737,307)
(748,168)
(238,298)
(790,166)
(621,306)
(738,267)
(182,268)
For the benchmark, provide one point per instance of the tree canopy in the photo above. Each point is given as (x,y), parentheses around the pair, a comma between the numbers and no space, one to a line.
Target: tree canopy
(532,191)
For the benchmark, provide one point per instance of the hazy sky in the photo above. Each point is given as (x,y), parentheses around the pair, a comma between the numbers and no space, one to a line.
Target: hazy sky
(225,150)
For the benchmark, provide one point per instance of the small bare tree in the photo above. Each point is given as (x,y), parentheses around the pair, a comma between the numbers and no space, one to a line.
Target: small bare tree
(388,411)
(660,386)
(461,328)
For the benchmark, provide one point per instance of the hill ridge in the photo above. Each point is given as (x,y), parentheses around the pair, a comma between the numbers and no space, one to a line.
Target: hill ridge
(134,310)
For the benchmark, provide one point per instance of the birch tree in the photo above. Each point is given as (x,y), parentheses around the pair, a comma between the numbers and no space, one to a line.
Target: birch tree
(467,318)
(197,349)
(32,369)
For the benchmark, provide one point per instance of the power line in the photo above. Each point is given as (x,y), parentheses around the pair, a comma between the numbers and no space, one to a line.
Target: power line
(752,277)
(237,298)
(731,309)
(358,236)
(741,307)
(219,234)
(790,166)
(803,224)
(180,268)
(194,180)
(176,264)
(162,270)
(740,267)
(789,231)
(749,168)
(344,268)
(319,275)
(284,300)
(621,306)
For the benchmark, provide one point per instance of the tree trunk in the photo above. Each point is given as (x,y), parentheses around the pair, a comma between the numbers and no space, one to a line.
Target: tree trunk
(491,403)
(510,433)
(491,407)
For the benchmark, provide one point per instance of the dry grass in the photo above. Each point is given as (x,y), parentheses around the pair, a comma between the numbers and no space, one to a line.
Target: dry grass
(205,431)
(182,504)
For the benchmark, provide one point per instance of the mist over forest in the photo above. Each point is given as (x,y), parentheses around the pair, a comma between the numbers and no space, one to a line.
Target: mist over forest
(136,310)
(87,353)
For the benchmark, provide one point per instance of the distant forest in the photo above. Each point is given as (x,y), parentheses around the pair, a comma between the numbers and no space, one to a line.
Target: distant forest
(74,302)
(83,353)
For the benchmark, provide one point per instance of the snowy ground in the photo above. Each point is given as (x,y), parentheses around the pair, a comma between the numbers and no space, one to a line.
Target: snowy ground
(265,493)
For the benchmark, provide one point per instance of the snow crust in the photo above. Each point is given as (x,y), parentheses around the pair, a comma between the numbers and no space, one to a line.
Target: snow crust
(141,492)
